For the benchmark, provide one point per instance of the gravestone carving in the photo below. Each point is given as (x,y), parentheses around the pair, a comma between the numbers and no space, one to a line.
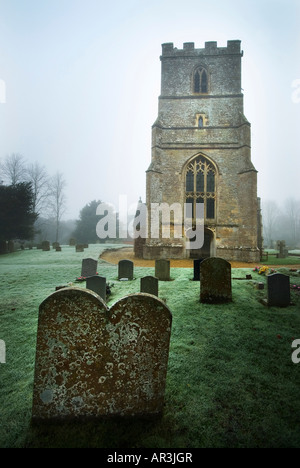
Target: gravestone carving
(95,361)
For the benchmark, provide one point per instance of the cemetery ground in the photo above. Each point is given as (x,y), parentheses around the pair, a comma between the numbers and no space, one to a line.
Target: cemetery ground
(231,381)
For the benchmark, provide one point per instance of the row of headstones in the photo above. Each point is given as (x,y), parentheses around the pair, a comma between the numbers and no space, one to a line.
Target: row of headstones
(148,284)
(7,247)
(45,246)
(126,270)
(96,361)
(97,283)
(214,274)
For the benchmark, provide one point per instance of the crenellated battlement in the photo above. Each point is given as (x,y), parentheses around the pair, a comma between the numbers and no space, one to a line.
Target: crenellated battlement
(211,48)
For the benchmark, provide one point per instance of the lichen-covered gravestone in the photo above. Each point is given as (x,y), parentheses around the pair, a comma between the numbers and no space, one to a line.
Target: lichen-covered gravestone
(89,267)
(92,361)
(215,281)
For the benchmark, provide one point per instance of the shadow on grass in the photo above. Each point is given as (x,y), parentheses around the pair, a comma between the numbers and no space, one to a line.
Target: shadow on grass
(106,433)
(88,434)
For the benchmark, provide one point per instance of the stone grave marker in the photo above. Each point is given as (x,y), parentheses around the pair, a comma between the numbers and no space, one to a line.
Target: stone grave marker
(283,251)
(98,285)
(149,285)
(79,248)
(125,269)
(3,247)
(197,263)
(45,246)
(89,267)
(11,246)
(162,269)
(278,288)
(215,281)
(95,361)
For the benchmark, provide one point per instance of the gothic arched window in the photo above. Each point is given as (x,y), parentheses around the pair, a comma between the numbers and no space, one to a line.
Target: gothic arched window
(200,81)
(200,186)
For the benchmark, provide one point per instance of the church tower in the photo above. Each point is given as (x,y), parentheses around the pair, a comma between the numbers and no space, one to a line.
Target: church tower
(201,153)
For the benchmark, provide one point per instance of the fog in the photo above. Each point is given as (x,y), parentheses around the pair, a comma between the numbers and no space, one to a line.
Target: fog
(80,80)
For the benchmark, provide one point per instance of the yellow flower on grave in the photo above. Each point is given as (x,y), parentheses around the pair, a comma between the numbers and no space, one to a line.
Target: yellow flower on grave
(263,269)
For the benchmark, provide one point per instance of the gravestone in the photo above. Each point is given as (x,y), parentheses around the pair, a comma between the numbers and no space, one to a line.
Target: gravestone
(149,285)
(79,248)
(95,361)
(72,241)
(283,251)
(3,247)
(162,269)
(11,246)
(197,264)
(45,246)
(58,249)
(89,267)
(215,281)
(98,285)
(125,269)
(278,290)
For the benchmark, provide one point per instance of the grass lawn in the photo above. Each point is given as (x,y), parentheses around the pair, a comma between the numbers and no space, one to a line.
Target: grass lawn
(231,381)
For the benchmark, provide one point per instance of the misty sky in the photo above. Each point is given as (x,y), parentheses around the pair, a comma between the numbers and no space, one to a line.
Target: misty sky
(82,80)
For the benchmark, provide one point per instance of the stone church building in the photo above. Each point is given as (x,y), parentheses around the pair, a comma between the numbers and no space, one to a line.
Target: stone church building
(201,153)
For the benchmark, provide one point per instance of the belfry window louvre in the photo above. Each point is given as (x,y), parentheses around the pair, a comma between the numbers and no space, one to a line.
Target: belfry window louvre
(200,186)
(200,81)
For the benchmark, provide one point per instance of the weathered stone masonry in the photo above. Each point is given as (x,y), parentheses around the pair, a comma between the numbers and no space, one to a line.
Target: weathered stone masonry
(201,152)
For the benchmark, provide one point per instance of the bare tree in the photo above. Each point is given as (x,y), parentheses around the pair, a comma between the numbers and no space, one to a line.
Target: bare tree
(270,213)
(292,213)
(57,199)
(13,169)
(37,176)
